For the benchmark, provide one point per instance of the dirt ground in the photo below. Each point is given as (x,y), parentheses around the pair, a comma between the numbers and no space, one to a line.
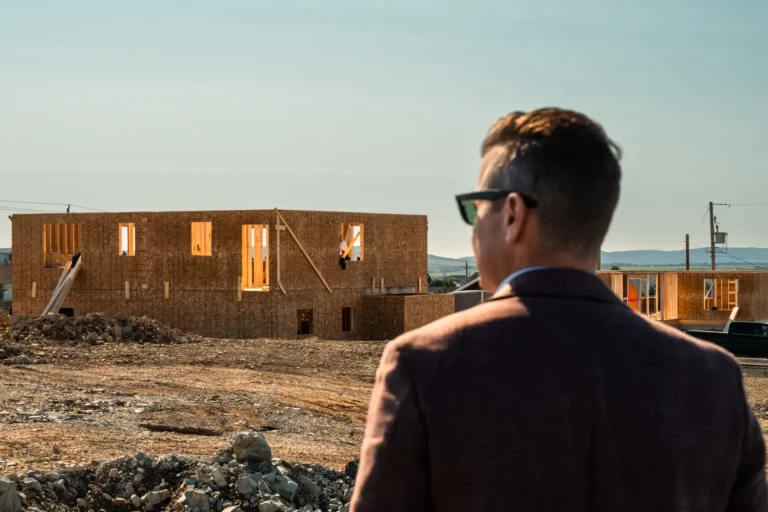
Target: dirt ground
(310,397)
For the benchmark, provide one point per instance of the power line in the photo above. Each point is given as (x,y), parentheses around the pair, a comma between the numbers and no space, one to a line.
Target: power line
(743,261)
(51,204)
(706,211)
(25,210)
(747,204)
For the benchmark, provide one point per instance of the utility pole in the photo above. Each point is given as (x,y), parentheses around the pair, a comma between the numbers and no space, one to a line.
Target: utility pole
(466,268)
(712,233)
(687,252)
(67,208)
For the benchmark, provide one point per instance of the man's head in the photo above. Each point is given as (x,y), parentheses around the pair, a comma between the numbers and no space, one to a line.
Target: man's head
(558,175)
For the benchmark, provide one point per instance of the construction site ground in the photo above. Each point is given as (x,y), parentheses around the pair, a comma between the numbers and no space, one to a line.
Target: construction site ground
(310,398)
(94,402)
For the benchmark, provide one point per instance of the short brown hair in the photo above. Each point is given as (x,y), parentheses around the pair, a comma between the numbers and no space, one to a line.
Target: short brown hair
(568,164)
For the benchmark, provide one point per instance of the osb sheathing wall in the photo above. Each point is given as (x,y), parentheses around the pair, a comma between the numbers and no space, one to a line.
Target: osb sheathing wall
(761,297)
(204,289)
(691,296)
(385,317)
(382,317)
(420,310)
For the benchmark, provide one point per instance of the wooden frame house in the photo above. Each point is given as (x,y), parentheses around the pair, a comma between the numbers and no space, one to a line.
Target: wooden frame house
(692,298)
(234,274)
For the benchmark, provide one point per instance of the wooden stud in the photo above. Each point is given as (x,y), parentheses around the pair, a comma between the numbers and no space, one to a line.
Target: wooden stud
(34,289)
(240,289)
(295,239)
(127,290)
(382,285)
(419,284)
(167,286)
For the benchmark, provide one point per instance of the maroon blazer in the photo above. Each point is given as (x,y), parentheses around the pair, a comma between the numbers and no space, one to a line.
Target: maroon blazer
(556,396)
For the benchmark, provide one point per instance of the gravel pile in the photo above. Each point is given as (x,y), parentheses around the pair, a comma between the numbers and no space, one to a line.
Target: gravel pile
(242,478)
(92,329)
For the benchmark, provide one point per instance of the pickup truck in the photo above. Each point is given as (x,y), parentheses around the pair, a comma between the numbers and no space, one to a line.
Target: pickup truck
(746,339)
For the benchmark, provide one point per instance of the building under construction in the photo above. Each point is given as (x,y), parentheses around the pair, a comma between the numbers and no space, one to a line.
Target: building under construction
(693,298)
(233,274)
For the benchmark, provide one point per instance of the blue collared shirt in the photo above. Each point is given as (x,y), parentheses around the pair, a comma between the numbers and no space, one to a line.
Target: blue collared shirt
(515,275)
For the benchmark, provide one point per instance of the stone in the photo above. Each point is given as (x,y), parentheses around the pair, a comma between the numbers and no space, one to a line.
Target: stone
(269,506)
(22,359)
(223,457)
(250,447)
(137,479)
(60,485)
(348,495)
(9,497)
(114,473)
(245,485)
(135,501)
(157,497)
(92,337)
(309,487)
(218,478)
(287,488)
(119,502)
(32,484)
(197,501)
(232,509)
(56,449)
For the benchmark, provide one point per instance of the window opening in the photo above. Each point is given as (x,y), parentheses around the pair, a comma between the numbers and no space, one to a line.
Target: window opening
(721,294)
(60,243)
(346,319)
(127,246)
(641,294)
(201,238)
(304,322)
(351,243)
(255,275)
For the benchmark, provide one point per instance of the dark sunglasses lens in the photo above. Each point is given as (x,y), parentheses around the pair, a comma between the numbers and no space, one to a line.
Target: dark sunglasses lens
(469,211)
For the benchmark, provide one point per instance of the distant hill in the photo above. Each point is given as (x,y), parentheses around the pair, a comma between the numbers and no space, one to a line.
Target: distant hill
(751,256)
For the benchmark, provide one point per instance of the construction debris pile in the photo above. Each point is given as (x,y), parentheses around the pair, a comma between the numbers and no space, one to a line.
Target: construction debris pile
(242,478)
(27,332)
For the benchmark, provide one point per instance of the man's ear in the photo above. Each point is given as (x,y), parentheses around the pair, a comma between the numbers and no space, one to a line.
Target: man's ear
(515,217)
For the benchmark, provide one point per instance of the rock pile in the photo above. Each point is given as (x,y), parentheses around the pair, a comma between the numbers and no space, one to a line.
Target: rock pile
(241,478)
(93,329)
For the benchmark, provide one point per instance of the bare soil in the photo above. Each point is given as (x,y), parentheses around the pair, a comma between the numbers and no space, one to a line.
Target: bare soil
(310,397)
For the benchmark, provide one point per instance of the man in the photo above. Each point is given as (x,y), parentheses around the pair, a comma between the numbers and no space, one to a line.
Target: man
(554,395)
(343,249)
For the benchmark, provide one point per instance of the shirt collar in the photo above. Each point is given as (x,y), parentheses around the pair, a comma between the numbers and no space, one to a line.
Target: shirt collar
(517,274)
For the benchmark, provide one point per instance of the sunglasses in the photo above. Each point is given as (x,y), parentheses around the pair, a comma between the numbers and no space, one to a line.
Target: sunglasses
(468,208)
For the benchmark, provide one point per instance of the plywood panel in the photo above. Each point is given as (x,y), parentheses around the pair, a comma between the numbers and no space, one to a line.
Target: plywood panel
(394,245)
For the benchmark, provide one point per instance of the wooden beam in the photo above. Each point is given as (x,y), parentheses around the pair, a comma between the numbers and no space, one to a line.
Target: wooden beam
(419,285)
(167,286)
(295,239)
(34,289)
(67,284)
(382,285)
(127,290)
(240,289)
(351,245)
(278,228)
(56,290)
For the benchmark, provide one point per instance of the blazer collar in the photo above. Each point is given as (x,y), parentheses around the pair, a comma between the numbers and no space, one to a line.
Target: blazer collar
(559,283)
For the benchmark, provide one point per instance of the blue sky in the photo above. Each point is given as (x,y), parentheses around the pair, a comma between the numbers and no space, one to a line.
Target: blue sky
(373,106)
